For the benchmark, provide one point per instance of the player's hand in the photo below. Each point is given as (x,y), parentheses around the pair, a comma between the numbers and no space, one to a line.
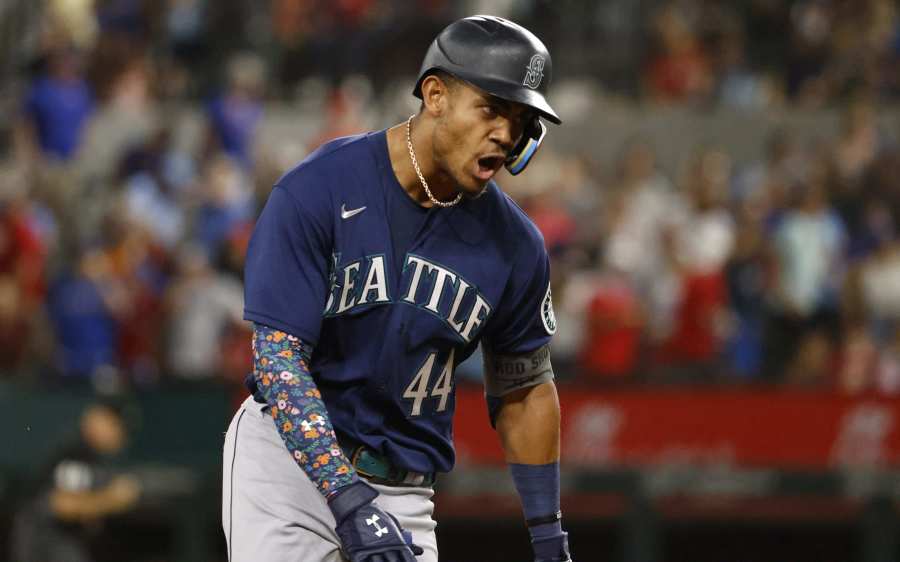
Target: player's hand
(367,532)
(552,549)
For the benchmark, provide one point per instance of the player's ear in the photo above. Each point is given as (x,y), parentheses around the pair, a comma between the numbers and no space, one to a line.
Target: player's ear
(435,95)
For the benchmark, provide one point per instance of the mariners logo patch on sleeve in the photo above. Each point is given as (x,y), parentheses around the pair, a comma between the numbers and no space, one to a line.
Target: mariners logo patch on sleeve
(547,315)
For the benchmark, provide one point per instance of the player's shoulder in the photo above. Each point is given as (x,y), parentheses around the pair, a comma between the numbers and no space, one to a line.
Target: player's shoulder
(510,221)
(327,166)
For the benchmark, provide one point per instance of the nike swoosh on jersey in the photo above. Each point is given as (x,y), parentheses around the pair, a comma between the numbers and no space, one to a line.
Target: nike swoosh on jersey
(345,214)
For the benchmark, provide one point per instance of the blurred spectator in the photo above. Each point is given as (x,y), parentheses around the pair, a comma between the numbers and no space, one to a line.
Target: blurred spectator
(700,246)
(202,304)
(855,183)
(739,87)
(78,493)
(612,330)
(807,59)
(747,276)
(22,250)
(81,313)
(134,280)
(809,245)
(157,177)
(226,203)
(704,237)
(680,71)
(640,210)
(158,157)
(56,109)
(127,116)
(760,197)
(881,291)
(184,23)
(235,113)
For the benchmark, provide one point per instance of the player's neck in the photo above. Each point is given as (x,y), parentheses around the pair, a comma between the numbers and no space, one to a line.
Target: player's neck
(441,185)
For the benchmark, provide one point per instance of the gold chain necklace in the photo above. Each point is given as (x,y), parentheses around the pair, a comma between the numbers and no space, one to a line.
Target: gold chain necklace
(415,163)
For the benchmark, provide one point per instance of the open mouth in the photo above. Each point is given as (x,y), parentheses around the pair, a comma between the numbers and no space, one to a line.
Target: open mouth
(488,165)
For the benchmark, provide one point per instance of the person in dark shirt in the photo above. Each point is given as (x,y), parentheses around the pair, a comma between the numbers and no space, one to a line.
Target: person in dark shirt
(76,494)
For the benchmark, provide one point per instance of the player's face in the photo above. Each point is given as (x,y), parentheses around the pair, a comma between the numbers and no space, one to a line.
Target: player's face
(475,135)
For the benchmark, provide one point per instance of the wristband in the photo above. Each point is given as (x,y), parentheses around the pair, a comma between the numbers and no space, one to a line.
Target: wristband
(543,520)
(538,487)
(350,498)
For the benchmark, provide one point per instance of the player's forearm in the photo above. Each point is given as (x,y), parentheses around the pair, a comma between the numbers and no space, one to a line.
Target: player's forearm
(528,425)
(281,370)
(78,506)
(74,506)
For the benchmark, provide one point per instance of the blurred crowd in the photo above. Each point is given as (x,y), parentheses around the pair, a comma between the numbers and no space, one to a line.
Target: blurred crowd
(122,243)
(783,270)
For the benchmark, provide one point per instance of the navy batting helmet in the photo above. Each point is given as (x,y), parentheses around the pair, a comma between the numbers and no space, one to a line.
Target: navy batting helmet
(505,60)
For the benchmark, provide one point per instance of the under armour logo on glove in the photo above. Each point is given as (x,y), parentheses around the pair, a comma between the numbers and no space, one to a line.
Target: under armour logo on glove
(367,532)
(373,522)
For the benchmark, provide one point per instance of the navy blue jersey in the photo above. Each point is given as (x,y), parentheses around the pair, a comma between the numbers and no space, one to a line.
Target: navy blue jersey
(393,296)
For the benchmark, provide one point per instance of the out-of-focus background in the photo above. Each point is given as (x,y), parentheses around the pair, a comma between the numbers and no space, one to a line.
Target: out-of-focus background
(721,207)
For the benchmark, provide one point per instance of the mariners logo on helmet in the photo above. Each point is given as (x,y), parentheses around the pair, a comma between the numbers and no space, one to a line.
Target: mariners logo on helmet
(535,72)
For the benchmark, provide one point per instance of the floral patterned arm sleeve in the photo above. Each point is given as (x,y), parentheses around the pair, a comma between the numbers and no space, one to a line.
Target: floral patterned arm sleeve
(281,370)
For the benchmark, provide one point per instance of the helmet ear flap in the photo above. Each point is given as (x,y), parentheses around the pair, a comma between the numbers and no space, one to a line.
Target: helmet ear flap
(527,147)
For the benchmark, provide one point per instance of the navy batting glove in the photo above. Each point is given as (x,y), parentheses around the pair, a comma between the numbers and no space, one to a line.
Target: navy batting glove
(552,549)
(366,531)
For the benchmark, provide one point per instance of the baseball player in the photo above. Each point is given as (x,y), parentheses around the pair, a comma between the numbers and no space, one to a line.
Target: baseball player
(378,264)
